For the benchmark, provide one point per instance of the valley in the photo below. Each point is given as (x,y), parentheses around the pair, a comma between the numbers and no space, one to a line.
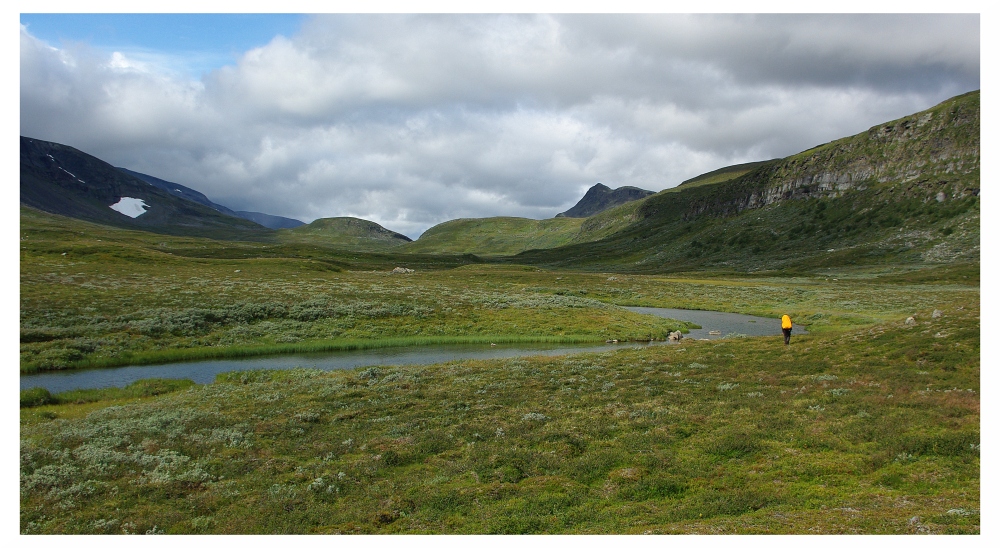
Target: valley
(868,424)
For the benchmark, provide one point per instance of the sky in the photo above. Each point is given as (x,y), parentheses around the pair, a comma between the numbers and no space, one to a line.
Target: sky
(413,120)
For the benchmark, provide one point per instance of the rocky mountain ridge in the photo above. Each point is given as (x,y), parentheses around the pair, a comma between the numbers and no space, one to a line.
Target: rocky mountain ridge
(263,219)
(904,190)
(934,153)
(60,179)
(600,197)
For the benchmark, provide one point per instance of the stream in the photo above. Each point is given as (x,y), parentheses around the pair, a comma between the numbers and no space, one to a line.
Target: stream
(714,325)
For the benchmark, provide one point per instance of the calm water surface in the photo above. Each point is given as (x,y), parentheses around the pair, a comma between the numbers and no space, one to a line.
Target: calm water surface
(725,323)
(205,371)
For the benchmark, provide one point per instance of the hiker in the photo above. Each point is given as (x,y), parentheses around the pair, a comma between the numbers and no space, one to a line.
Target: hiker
(786,327)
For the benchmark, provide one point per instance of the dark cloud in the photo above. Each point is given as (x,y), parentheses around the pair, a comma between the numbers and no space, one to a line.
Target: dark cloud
(413,120)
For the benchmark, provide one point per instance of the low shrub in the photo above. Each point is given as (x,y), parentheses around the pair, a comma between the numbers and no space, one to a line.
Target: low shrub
(32,397)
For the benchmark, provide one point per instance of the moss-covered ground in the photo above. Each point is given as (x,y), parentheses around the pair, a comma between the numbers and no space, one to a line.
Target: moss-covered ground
(865,431)
(868,424)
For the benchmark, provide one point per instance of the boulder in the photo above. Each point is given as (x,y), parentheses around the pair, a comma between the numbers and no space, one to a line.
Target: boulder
(675,336)
(911,321)
(936,314)
(401,270)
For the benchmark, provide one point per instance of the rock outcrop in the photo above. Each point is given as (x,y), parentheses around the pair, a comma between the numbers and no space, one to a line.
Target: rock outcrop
(925,155)
(600,197)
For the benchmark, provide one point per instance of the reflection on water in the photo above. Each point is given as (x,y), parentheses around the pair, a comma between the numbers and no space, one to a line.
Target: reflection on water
(205,371)
(715,325)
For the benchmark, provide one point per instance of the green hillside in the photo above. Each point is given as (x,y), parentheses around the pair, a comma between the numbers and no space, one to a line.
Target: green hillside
(902,192)
(495,235)
(869,423)
(723,174)
(504,236)
(344,232)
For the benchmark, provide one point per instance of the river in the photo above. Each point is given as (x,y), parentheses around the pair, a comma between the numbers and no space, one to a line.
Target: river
(713,325)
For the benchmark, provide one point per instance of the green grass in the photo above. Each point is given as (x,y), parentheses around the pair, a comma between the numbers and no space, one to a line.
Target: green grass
(904,192)
(172,355)
(121,300)
(343,232)
(867,431)
(495,235)
(106,297)
(723,174)
(864,426)
(115,297)
(859,427)
(144,388)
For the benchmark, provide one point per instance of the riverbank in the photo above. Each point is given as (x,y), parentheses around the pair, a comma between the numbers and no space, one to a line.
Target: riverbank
(205,371)
(99,317)
(873,430)
(182,355)
(347,355)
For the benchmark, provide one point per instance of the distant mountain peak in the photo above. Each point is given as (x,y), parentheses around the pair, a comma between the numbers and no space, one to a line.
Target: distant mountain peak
(600,197)
(65,181)
(263,219)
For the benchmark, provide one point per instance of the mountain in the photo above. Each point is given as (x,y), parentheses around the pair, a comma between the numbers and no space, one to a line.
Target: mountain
(495,235)
(600,198)
(902,192)
(269,221)
(905,191)
(596,215)
(60,179)
(345,232)
(724,174)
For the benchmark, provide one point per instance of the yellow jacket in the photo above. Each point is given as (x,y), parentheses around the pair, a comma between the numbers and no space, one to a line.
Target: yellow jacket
(786,322)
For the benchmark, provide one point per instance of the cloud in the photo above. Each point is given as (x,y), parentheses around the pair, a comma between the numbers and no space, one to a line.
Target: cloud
(413,120)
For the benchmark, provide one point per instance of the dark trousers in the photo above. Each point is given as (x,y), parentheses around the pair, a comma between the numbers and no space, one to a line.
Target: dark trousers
(788,334)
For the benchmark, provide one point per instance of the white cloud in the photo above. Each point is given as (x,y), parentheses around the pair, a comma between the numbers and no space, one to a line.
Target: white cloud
(413,120)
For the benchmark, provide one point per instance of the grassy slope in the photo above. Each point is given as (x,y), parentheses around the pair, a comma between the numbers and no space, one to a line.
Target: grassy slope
(495,235)
(504,236)
(874,430)
(723,174)
(343,232)
(878,205)
(875,185)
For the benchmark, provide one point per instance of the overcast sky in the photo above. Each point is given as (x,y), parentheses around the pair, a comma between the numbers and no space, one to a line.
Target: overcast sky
(410,121)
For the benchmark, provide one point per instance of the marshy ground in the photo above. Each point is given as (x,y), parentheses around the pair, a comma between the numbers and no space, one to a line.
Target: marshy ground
(865,425)
(874,430)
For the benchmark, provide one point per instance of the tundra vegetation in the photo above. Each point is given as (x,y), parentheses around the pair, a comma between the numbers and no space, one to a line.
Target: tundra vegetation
(868,424)
(865,425)
(867,430)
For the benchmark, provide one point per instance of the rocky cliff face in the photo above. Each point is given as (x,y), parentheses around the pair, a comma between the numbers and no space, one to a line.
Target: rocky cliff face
(933,154)
(905,191)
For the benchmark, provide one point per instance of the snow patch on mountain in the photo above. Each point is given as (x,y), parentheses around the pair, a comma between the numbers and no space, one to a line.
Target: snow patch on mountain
(132,207)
